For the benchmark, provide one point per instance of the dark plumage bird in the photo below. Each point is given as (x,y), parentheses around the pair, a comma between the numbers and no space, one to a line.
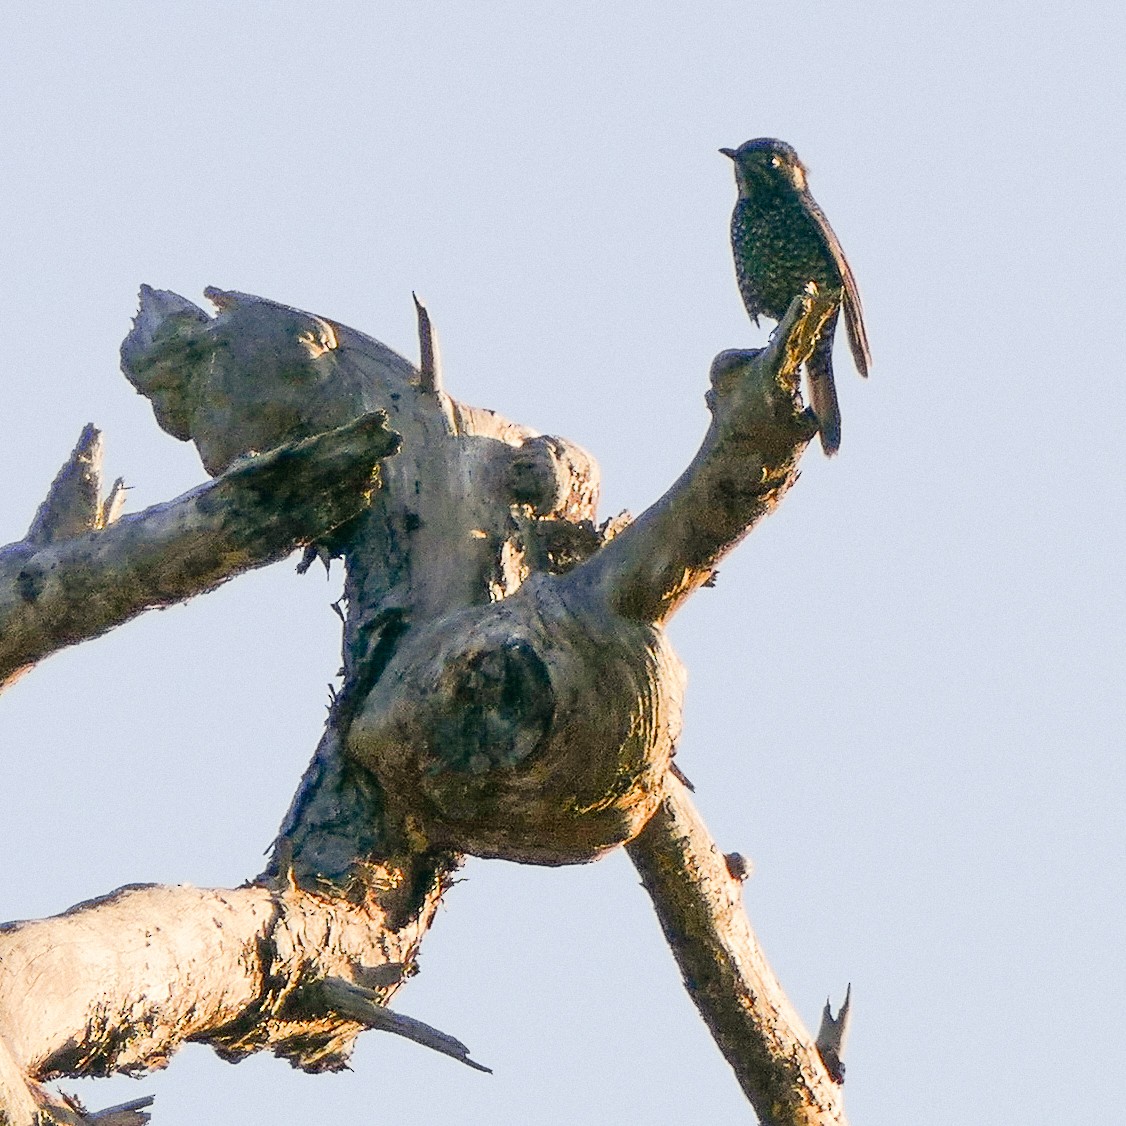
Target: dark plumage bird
(781,240)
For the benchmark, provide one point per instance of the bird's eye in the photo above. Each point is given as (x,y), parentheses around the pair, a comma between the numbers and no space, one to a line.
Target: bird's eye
(776,161)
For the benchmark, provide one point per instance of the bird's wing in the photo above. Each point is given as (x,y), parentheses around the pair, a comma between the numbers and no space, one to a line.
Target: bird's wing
(853,310)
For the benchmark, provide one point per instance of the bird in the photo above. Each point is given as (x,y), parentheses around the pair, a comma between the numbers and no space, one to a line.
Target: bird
(781,241)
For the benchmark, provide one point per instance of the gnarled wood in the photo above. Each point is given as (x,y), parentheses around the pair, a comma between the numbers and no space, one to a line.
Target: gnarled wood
(508,690)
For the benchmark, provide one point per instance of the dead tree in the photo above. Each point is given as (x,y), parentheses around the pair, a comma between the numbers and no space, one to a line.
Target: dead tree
(508,691)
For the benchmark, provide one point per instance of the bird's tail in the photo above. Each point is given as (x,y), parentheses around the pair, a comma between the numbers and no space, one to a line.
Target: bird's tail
(823,390)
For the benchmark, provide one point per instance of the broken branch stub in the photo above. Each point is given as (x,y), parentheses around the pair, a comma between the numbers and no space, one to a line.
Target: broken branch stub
(833,1036)
(256,376)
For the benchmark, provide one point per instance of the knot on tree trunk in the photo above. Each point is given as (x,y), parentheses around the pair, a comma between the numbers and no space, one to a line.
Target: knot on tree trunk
(536,729)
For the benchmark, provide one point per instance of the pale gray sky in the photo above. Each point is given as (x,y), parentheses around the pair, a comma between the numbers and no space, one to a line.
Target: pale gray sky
(920,748)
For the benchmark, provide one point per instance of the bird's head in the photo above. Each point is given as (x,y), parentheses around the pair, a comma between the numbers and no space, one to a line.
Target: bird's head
(766,163)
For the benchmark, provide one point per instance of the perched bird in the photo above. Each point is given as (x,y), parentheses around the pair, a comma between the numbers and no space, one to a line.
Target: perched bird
(781,241)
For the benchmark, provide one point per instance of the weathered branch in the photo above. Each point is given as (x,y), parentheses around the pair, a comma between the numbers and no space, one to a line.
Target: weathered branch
(118,984)
(699,904)
(363,1006)
(747,461)
(79,572)
(124,1114)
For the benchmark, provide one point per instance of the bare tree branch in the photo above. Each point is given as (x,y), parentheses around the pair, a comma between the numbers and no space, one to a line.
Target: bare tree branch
(124,1114)
(699,904)
(362,1005)
(118,984)
(74,578)
(746,463)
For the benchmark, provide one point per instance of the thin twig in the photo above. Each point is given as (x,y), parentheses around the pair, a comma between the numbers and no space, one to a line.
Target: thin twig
(124,1114)
(362,1005)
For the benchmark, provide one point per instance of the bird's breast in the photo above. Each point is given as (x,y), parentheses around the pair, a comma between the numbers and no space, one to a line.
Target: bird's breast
(778,250)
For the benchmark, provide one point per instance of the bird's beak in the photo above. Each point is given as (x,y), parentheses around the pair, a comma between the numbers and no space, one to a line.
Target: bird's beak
(728,153)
